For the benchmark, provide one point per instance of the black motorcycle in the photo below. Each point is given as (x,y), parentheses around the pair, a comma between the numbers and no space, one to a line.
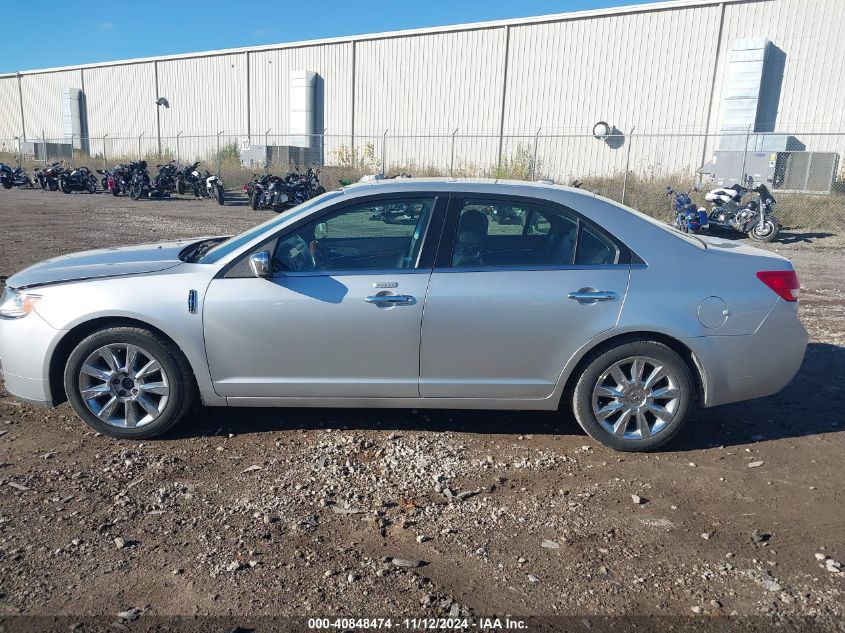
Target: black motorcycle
(139,180)
(77,180)
(48,177)
(14,177)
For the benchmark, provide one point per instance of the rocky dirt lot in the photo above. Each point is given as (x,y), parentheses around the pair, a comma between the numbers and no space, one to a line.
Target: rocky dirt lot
(372,512)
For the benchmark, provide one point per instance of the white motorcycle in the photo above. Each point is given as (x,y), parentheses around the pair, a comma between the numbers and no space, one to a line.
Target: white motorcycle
(755,218)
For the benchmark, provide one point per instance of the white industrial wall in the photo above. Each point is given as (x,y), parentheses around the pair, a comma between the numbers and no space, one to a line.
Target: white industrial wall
(42,101)
(120,104)
(660,68)
(269,79)
(10,109)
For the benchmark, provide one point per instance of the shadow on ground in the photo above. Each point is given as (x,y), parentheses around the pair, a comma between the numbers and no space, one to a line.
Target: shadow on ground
(788,414)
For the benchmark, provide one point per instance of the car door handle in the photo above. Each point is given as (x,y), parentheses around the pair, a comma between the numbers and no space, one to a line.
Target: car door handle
(396,300)
(591,296)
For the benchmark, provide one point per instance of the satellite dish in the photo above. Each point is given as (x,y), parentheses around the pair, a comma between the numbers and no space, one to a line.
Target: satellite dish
(162,101)
(601,130)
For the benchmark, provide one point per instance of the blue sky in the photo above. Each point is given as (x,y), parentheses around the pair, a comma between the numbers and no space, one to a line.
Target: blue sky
(51,34)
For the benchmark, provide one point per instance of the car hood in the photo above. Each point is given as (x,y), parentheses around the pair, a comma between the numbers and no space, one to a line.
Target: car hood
(104,262)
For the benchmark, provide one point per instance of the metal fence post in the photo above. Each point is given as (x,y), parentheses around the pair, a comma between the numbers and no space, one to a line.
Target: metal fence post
(627,163)
(744,155)
(323,147)
(20,151)
(534,157)
(140,136)
(105,137)
(218,151)
(267,160)
(178,152)
(452,159)
(384,153)
(44,140)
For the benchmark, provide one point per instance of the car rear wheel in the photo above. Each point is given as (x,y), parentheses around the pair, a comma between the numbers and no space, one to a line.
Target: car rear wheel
(634,396)
(129,383)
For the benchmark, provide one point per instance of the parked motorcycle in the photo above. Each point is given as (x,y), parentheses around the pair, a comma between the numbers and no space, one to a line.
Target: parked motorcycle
(164,181)
(14,177)
(190,179)
(77,180)
(755,218)
(48,177)
(686,217)
(139,180)
(118,178)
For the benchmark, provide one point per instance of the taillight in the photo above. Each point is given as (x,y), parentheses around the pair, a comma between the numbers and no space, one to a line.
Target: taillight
(784,282)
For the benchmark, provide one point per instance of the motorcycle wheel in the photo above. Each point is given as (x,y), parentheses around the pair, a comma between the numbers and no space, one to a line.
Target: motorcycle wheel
(31,183)
(254,201)
(115,190)
(64,186)
(135,192)
(766,232)
(43,183)
(7,184)
(54,186)
(218,195)
(91,186)
(180,187)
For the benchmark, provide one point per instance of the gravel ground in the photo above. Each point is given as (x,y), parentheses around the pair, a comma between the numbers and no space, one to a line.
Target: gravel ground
(369,512)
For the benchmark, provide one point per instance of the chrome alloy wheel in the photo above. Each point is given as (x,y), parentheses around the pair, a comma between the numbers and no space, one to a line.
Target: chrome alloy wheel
(123,385)
(636,398)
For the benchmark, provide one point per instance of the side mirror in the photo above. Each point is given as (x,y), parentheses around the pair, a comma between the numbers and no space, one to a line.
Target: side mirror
(259,263)
(321,231)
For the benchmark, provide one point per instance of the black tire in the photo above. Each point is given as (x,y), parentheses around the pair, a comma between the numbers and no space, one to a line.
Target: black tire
(769,231)
(603,359)
(64,186)
(136,190)
(219,196)
(43,182)
(7,184)
(115,190)
(183,388)
(180,187)
(91,186)
(254,201)
(31,183)
(53,185)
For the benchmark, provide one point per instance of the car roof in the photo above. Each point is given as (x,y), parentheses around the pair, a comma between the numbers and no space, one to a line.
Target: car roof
(542,189)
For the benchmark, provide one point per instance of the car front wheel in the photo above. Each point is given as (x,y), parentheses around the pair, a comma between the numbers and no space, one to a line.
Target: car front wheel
(129,383)
(634,396)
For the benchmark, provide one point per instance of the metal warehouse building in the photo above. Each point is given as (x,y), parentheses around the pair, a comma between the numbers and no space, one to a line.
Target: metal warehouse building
(676,83)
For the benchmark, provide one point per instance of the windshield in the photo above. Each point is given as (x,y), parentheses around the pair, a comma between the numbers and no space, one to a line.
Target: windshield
(224,248)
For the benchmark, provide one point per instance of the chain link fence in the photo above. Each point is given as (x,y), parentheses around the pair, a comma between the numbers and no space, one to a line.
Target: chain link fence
(803,170)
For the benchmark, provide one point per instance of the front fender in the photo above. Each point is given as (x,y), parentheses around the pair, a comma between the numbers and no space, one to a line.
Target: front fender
(159,300)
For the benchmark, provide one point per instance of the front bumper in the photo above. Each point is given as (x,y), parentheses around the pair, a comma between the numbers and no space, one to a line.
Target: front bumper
(25,348)
(753,366)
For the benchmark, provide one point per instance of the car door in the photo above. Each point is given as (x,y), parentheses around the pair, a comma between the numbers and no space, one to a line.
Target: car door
(519,285)
(340,316)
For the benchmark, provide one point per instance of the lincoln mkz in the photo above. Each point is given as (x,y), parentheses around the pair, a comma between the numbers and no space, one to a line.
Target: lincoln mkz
(412,293)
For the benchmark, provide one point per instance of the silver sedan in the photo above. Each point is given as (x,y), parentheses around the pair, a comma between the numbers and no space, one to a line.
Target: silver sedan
(447,294)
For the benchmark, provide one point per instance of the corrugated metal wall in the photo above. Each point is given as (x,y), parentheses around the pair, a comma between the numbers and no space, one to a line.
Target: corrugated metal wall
(120,104)
(809,32)
(42,101)
(659,68)
(10,109)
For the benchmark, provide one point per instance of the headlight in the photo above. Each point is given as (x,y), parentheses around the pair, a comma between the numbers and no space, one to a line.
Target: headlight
(15,304)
